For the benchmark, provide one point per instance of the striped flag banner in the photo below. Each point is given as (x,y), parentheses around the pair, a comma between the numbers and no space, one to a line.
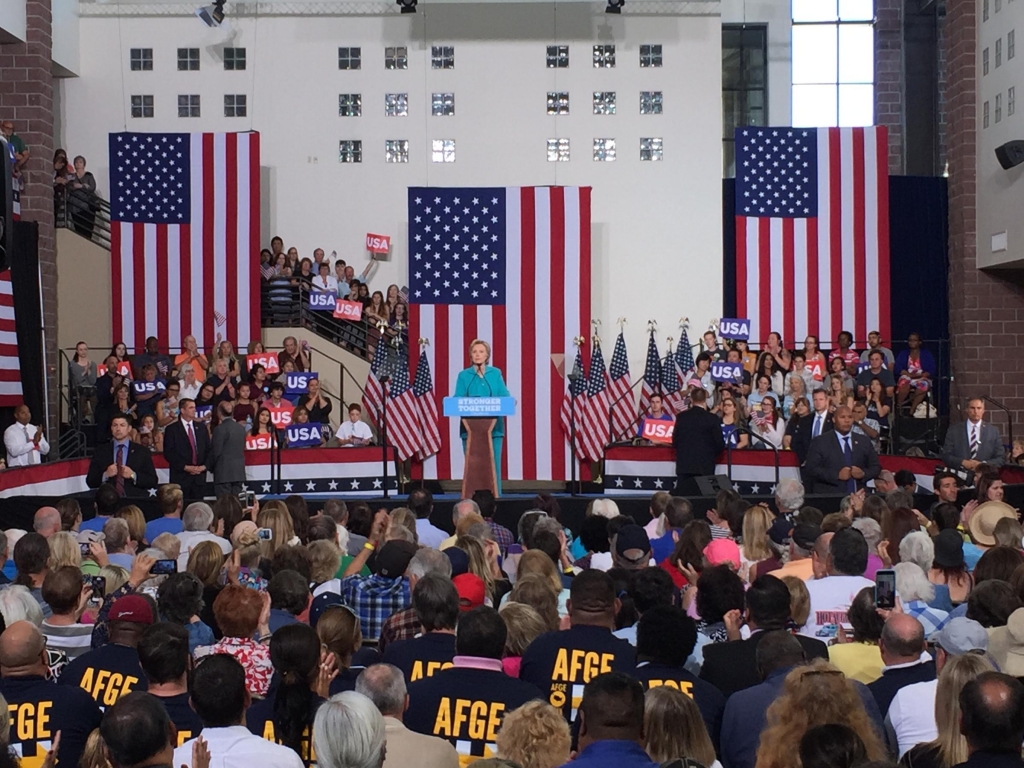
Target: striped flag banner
(812,231)
(510,265)
(10,367)
(185,229)
(623,409)
(403,425)
(652,376)
(426,408)
(595,417)
(373,392)
(574,407)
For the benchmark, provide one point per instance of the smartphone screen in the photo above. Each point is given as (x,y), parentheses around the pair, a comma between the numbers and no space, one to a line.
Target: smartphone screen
(265,534)
(885,589)
(164,567)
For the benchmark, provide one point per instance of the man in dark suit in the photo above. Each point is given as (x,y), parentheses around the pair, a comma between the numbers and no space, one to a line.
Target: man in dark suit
(227,454)
(974,442)
(186,446)
(732,666)
(124,464)
(697,440)
(841,461)
(817,422)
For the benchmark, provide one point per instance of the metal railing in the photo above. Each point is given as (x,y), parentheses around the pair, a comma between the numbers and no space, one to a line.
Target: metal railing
(84,213)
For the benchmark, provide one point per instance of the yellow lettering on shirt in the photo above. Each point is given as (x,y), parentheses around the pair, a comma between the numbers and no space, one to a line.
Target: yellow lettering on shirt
(107,687)
(422,669)
(579,666)
(268,730)
(466,719)
(31,720)
(183,736)
(680,685)
(306,751)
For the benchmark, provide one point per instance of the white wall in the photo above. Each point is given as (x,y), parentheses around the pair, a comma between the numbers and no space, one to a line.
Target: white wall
(657,227)
(777,16)
(65,36)
(13,21)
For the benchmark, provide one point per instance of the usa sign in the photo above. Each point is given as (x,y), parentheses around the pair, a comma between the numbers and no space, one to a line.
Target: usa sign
(658,431)
(734,328)
(322,301)
(348,310)
(731,372)
(303,435)
(378,243)
(267,359)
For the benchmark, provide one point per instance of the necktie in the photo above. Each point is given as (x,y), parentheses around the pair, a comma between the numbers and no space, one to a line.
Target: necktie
(851,484)
(192,442)
(974,441)
(119,480)
(817,426)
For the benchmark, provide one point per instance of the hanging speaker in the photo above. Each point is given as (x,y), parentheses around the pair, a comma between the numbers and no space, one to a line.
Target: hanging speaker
(1010,154)
(6,206)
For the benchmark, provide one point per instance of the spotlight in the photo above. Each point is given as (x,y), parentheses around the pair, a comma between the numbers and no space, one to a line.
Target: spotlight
(408,6)
(212,15)
(615,6)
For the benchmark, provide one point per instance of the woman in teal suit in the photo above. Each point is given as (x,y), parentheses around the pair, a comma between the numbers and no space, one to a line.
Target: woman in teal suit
(483,380)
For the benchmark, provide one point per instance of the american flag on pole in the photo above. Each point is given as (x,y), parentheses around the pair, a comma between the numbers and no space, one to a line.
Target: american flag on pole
(652,376)
(574,406)
(185,229)
(426,408)
(403,424)
(620,393)
(595,418)
(373,392)
(510,266)
(11,393)
(812,231)
(672,384)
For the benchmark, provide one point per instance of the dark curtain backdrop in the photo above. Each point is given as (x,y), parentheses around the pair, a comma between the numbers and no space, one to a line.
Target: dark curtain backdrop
(28,320)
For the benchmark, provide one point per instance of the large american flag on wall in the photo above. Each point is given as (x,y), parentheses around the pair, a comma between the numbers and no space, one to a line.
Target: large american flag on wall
(185,229)
(812,231)
(10,367)
(511,266)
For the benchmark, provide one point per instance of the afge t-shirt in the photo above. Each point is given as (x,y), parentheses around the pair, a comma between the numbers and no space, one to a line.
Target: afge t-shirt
(421,656)
(39,709)
(259,718)
(185,719)
(709,700)
(562,663)
(830,600)
(466,706)
(107,673)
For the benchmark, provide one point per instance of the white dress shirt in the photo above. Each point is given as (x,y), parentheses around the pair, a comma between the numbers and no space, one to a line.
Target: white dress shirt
(192,539)
(21,451)
(328,284)
(236,747)
(912,715)
(358,429)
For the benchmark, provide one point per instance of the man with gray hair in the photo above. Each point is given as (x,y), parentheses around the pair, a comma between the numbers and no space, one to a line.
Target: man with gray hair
(227,454)
(463,508)
(198,523)
(384,685)
(404,624)
(46,521)
(348,732)
(789,498)
(337,510)
(117,538)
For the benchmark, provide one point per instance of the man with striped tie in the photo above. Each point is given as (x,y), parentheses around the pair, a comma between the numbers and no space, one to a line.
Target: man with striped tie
(974,442)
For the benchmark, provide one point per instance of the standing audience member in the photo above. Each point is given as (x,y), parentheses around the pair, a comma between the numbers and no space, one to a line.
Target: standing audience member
(165,659)
(25,443)
(186,448)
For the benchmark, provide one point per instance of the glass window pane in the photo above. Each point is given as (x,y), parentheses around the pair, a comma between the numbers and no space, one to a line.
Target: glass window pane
(730,113)
(814,105)
(856,105)
(856,53)
(856,10)
(814,53)
(814,10)
(755,108)
(731,59)
(753,64)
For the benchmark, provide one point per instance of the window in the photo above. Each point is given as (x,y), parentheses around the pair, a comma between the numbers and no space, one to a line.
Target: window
(350,105)
(234,59)
(141,59)
(604,102)
(999,52)
(650,102)
(396,57)
(984,115)
(999,5)
(396,150)
(188,59)
(558,150)
(442,150)
(604,56)
(999,107)
(984,10)
(350,58)
(350,151)
(650,56)
(604,150)
(442,104)
(650,149)
(833,63)
(142,106)
(984,62)
(744,85)
(188,106)
(234,105)
(558,103)
(1011,44)
(442,57)
(396,104)
(1011,98)
(558,57)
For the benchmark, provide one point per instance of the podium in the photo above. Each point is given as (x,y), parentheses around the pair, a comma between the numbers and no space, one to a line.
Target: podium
(479,415)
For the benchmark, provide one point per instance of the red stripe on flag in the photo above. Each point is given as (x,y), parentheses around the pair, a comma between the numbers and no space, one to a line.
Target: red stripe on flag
(469,333)
(499,329)
(162,315)
(813,309)
(416,465)
(254,236)
(528,287)
(230,329)
(139,266)
(882,159)
(116,282)
(741,270)
(835,228)
(556,209)
(788,279)
(209,214)
(601,410)
(860,294)
(443,380)
(185,248)
(764,271)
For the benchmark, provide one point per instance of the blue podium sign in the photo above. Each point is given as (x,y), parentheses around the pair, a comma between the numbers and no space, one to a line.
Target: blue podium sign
(479,407)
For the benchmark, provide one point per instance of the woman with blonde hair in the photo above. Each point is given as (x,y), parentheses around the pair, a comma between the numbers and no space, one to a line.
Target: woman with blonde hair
(756,546)
(64,550)
(524,624)
(535,736)
(479,563)
(535,561)
(325,559)
(406,518)
(340,635)
(799,602)
(535,590)
(205,561)
(814,694)
(950,748)
(275,516)
(132,515)
(674,728)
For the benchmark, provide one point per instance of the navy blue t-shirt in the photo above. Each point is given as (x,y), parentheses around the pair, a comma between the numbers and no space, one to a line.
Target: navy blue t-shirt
(40,708)
(107,673)
(421,656)
(185,719)
(259,718)
(709,700)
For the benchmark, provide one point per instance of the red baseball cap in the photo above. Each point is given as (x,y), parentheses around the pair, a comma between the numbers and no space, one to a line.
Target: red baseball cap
(472,591)
(132,608)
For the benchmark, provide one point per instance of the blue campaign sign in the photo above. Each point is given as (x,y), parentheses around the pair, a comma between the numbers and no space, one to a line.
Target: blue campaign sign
(863,366)
(734,328)
(480,407)
(148,387)
(204,412)
(297,383)
(322,301)
(731,372)
(303,435)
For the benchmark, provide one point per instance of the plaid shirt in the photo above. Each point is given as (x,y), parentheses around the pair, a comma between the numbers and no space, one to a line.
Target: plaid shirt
(931,619)
(374,598)
(403,625)
(503,536)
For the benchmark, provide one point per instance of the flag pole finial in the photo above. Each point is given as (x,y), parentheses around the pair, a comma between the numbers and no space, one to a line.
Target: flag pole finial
(621,322)
(652,325)
(578,340)
(684,323)
(424,341)
(597,337)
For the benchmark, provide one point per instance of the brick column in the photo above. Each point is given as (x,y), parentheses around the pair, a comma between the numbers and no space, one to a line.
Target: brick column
(26,98)
(889,102)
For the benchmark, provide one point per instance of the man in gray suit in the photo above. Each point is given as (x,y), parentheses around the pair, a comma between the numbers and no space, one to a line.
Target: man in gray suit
(974,442)
(227,454)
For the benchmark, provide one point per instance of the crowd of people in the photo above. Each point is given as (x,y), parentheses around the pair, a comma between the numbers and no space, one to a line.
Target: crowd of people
(274,635)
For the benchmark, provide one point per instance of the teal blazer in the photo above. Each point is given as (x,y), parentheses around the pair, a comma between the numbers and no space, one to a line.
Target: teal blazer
(468,384)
